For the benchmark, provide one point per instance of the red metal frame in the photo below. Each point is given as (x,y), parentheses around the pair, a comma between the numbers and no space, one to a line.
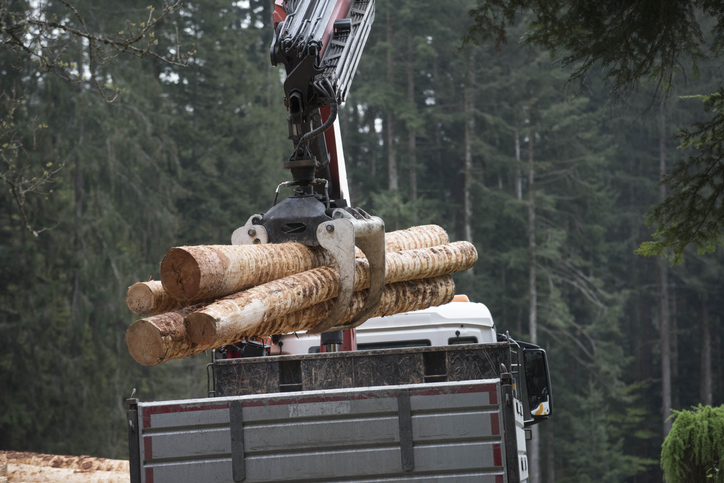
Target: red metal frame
(341,10)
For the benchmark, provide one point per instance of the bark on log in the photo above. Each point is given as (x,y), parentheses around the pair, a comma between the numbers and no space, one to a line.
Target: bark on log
(397,298)
(34,467)
(162,338)
(205,272)
(423,236)
(220,322)
(198,272)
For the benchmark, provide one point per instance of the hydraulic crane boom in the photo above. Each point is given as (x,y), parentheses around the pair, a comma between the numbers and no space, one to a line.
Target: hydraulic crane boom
(319,43)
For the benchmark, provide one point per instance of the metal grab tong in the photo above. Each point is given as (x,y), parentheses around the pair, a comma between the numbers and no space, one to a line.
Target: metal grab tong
(349,227)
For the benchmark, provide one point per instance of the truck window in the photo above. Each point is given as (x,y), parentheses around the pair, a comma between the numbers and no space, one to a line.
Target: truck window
(462,340)
(394,344)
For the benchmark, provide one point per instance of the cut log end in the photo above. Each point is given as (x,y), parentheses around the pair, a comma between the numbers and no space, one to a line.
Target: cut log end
(200,327)
(145,343)
(180,274)
(139,298)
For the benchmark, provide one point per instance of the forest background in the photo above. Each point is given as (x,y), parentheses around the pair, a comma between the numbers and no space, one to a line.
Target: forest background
(551,188)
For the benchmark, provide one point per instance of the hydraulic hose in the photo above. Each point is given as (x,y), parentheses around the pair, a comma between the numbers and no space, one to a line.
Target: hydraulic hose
(332,115)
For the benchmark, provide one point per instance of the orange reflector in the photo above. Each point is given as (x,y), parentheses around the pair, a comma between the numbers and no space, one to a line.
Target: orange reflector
(461,298)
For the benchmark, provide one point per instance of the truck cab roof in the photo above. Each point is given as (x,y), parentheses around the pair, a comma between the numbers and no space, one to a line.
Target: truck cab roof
(450,324)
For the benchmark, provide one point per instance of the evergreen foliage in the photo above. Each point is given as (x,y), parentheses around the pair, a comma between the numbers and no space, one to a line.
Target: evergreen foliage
(187,154)
(694,449)
(630,44)
(694,212)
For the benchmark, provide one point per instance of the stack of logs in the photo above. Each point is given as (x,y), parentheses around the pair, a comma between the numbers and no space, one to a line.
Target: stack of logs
(210,296)
(45,468)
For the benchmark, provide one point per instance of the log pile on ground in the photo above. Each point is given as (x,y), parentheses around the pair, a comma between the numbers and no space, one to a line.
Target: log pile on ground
(210,296)
(44,468)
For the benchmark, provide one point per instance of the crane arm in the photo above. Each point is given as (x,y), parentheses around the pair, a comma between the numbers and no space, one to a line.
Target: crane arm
(319,43)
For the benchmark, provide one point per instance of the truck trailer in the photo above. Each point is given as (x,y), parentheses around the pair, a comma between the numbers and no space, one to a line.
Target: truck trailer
(403,407)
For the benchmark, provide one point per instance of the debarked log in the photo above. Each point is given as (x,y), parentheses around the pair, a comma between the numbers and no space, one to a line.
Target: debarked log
(397,298)
(45,474)
(219,323)
(195,273)
(35,467)
(149,298)
(162,338)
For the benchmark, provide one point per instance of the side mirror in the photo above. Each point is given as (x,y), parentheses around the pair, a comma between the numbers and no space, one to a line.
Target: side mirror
(538,384)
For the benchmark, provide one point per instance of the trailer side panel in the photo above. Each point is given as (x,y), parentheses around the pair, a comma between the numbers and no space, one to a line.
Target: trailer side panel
(450,431)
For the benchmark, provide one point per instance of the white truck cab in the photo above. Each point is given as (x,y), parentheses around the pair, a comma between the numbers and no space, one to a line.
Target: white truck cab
(458,322)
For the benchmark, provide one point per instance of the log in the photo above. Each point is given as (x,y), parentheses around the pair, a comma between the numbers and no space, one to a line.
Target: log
(195,273)
(422,236)
(35,467)
(198,272)
(220,323)
(397,298)
(162,338)
(149,298)
(84,463)
(40,474)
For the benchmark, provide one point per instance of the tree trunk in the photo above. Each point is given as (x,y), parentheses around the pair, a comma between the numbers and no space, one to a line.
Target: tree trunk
(79,199)
(411,131)
(550,453)
(393,184)
(222,322)
(534,448)
(533,303)
(663,271)
(162,338)
(438,134)
(718,373)
(469,108)
(705,388)
(373,145)
(518,173)
(204,272)
(674,346)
